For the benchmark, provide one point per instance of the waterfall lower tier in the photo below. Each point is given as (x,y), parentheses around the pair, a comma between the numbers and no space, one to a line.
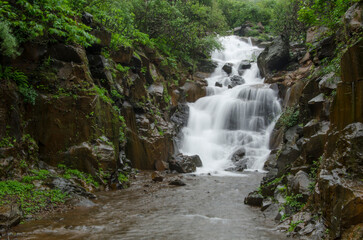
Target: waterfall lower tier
(232,121)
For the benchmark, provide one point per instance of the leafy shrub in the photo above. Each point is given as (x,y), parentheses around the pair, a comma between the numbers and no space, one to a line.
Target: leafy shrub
(25,89)
(31,200)
(289,118)
(49,19)
(8,44)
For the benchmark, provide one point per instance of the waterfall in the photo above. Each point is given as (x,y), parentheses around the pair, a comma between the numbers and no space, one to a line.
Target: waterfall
(231,119)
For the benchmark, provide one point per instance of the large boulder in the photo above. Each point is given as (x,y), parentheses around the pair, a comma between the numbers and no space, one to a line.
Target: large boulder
(275,57)
(254,199)
(185,164)
(193,90)
(245,64)
(235,81)
(300,184)
(227,68)
(148,145)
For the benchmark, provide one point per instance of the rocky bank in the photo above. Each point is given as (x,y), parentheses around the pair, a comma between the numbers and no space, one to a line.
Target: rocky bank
(314,186)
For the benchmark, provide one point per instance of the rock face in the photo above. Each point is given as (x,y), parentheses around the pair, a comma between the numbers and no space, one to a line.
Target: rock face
(275,57)
(339,192)
(353,19)
(348,107)
(185,164)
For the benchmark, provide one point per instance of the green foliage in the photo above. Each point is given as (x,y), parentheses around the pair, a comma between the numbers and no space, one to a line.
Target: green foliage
(289,118)
(31,200)
(294,202)
(293,225)
(36,175)
(239,12)
(7,142)
(324,13)
(122,178)
(25,89)
(8,41)
(47,19)
(103,94)
(69,173)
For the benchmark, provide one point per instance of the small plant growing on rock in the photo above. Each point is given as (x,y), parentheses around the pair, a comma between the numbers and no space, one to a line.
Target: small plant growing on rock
(289,118)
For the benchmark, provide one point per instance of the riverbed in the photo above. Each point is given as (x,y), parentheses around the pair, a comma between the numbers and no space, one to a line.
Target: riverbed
(207,207)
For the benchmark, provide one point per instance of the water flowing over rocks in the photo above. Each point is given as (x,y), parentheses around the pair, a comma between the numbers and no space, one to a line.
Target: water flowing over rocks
(239,111)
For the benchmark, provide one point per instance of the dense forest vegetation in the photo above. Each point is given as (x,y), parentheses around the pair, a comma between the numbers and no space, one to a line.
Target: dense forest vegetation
(183,30)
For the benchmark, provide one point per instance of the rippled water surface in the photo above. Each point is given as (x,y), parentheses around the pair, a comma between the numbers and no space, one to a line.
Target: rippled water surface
(208,207)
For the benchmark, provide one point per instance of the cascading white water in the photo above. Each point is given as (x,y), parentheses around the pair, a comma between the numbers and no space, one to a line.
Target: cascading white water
(231,119)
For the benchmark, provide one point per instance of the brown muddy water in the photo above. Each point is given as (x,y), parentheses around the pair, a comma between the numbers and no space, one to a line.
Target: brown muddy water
(208,207)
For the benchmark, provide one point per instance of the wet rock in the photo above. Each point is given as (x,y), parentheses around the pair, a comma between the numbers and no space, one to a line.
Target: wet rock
(218,84)
(348,109)
(123,55)
(161,165)
(99,67)
(104,37)
(68,53)
(66,186)
(300,184)
(353,233)
(245,64)
(314,34)
(287,156)
(353,19)
(87,157)
(329,82)
(227,68)
(275,57)
(206,66)
(177,182)
(339,192)
(146,144)
(10,215)
(238,155)
(254,199)
(185,164)
(156,177)
(79,201)
(265,204)
(87,18)
(235,81)
(194,90)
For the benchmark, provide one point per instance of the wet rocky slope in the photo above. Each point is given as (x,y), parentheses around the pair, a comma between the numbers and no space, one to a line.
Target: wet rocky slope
(314,186)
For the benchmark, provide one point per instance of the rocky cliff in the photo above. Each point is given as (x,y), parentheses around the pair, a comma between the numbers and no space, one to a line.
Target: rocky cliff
(73,111)
(314,186)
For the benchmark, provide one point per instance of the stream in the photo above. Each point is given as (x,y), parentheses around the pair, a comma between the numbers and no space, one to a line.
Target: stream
(210,206)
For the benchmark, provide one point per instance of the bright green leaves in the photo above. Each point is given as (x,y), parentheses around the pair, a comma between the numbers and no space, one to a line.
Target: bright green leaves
(52,20)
